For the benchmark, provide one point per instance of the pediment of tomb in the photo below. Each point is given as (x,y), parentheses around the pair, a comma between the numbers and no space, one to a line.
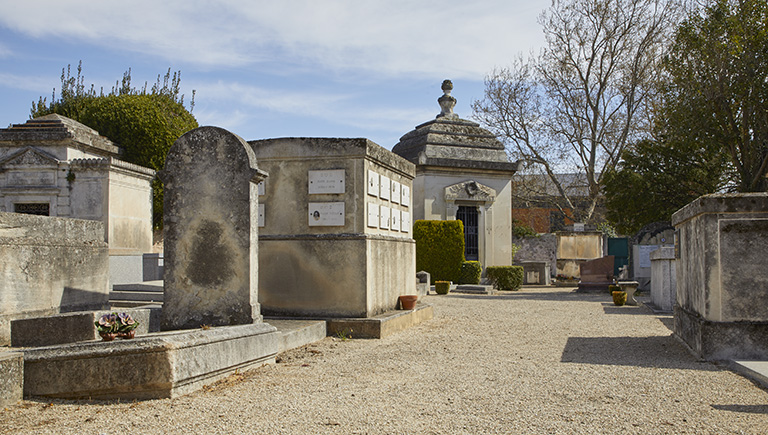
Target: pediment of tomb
(470,190)
(28,157)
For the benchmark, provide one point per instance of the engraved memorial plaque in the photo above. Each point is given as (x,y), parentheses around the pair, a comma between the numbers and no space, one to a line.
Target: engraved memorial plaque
(405,222)
(326,214)
(373,213)
(261,214)
(384,186)
(384,217)
(329,181)
(395,196)
(262,187)
(395,220)
(405,195)
(373,183)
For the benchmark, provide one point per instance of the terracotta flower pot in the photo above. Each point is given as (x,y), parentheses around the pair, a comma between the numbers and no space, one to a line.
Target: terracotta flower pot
(127,334)
(107,336)
(619,297)
(408,302)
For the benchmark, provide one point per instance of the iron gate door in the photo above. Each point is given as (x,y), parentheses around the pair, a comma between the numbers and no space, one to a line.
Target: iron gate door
(468,216)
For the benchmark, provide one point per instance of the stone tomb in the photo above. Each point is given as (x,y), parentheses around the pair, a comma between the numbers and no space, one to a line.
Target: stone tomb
(721,245)
(596,275)
(663,278)
(335,228)
(211,212)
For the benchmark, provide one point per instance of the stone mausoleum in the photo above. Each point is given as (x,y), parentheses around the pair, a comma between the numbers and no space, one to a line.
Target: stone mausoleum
(55,166)
(463,172)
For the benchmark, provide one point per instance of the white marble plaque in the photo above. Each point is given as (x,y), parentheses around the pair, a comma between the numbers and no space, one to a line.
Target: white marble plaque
(405,221)
(395,220)
(330,181)
(262,187)
(384,185)
(405,195)
(326,214)
(373,213)
(261,215)
(384,217)
(644,255)
(373,183)
(395,196)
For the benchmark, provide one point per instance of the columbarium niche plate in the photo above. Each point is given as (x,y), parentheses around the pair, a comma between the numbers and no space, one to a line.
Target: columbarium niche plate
(373,214)
(262,187)
(384,216)
(405,221)
(395,196)
(405,195)
(385,185)
(328,181)
(326,214)
(261,215)
(373,183)
(395,220)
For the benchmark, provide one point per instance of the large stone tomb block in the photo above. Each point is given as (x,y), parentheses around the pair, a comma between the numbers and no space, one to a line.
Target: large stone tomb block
(211,230)
(596,275)
(722,283)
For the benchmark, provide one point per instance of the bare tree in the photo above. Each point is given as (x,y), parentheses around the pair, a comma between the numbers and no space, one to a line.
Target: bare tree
(584,99)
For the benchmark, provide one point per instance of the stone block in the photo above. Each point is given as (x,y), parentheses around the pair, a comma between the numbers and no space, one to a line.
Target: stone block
(722,282)
(152,267)
(663,278)
(596,275)
(161,365)
(70,327)
(536,272)
(11,378)
(125,269)
(210,217)
(382,325)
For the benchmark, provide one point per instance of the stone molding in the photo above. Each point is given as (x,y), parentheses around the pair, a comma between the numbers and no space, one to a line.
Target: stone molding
(470,190)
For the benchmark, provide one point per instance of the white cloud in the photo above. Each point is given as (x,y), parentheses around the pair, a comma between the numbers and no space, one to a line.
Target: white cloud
(27,82)
(449,37)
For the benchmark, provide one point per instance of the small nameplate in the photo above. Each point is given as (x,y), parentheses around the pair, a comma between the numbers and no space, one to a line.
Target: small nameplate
(326,214)
(405,195)
(262,187)
(395,195)
(405,221)
(384,216)
(373,183)
(261,215)
(395,220)
(331,181)
(373,214)
(384,186)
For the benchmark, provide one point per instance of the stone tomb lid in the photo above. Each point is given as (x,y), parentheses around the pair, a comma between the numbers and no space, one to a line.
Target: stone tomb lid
(55,127)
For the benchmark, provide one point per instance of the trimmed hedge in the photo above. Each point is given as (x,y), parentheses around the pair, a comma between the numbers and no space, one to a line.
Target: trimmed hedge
(505,277)
(470,272)
(439,248)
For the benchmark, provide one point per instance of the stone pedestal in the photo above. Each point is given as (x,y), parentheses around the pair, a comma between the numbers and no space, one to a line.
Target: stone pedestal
(722,246)
(663,279)
(536,272)
(630,287)
(211,232)
(12,379)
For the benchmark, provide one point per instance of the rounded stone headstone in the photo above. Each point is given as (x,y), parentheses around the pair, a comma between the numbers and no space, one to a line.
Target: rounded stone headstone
(210,225)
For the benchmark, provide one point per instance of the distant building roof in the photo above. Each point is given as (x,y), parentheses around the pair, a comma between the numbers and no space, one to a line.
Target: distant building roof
(450,141)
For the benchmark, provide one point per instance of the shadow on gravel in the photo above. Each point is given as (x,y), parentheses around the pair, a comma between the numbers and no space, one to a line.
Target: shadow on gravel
(529,296)
(747,409)
(659,352)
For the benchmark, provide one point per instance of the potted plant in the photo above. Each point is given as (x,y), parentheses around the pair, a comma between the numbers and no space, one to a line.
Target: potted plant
(408,302)
(619,297)
(113,325)
(442,287)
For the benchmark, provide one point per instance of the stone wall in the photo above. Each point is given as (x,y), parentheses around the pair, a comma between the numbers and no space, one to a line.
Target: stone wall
(722,281)
(50,265)
(542,248)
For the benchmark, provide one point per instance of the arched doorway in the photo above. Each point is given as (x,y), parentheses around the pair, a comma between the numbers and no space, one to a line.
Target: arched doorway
(468,216)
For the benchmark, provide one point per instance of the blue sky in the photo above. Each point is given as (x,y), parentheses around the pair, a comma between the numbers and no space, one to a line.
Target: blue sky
(264,69)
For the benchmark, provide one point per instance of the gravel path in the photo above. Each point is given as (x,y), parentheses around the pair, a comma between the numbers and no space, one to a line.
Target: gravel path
(534,361)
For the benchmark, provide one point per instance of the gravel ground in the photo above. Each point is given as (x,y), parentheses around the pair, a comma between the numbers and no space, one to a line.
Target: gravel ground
(534,361)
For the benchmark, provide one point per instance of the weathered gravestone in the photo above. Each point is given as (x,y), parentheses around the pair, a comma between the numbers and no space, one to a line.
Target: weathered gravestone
(597,274)
(210,221)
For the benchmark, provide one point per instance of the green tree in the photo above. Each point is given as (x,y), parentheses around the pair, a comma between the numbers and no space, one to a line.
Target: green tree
(144,123)
(584,99)
(655,179)
(718,94)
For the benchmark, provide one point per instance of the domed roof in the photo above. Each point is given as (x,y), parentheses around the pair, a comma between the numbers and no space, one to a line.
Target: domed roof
(450,141)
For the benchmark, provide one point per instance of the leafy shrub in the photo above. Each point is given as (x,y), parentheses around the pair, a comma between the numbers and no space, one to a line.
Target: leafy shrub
(505,277)
(442,287)
(613,288)
(439,248)
(470,272)
(521,229)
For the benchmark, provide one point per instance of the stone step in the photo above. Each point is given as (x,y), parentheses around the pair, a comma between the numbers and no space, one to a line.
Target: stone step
(297,333)
(136,296)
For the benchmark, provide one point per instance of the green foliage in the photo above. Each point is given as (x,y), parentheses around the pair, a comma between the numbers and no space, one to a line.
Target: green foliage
(439,248)
(145,124)
(442,287)
(607,229)
(656,179)
(521,229)
(470,272)
(718,95)
(505,277)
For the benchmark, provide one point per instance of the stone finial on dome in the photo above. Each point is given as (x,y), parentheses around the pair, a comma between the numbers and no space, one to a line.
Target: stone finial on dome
(447,102)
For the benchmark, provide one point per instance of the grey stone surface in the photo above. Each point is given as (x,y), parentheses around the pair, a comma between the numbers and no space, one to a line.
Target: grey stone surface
(663,278)
(152,266)
(536,272)
(722,244)
(354,268)
(161,365)
(541,248)
(296,333)
(11,377)
(50,265)
(125,269)
(71,327)
(381,325)
(210,224)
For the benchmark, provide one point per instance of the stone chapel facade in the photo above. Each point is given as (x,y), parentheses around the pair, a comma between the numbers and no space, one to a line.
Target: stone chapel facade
(462,172)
